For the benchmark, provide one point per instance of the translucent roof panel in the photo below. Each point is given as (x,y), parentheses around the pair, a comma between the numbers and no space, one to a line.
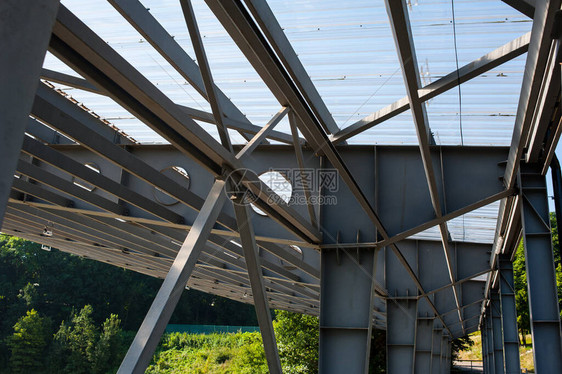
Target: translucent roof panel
(477,226)
(348,51)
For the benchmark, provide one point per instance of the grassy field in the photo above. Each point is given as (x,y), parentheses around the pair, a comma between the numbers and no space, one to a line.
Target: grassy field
(210,354)
(475,352)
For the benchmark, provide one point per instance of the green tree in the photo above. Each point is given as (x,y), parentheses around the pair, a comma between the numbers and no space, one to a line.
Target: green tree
(107,354)
(29,342)
(76,342)
(521,298)
(56,283)
(297,340)
(520,278)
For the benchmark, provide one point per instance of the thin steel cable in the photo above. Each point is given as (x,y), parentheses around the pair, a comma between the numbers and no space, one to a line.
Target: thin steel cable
(370,97)
(458,74)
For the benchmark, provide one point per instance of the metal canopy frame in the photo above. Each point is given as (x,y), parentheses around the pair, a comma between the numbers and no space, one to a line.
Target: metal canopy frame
(97,188)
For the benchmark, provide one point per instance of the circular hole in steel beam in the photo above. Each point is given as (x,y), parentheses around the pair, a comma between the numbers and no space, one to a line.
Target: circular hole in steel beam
(279,184)
(178,175)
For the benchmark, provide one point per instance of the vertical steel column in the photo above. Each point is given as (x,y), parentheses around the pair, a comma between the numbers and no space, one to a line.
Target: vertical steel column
(541,281)
(436,349)
(346,310)
(444,354)
(424,336)
(25,30)
(497,331)
(483,339)
(142,348)
(449,357)
(490,342)
(509,317)
(251,256)
(402,313)
(401,318)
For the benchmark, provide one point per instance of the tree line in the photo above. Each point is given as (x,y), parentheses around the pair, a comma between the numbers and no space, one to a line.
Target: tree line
(61,313)
(59,294)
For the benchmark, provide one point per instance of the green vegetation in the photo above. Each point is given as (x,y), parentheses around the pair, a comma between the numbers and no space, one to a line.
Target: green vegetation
(41,291)
(522,304)
(297,342)
(60,314)
(520,277)
(474,352)
(213,353)
(28,343)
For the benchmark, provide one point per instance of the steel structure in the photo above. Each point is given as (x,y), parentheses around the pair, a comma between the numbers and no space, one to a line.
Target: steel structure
(71,181)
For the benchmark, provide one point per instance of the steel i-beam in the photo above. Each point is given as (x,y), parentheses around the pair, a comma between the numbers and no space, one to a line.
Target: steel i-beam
(346,317)
(497,331)
(25,27)
(401,319)
(490,342)
(436,349)
(541,280)
(422,362)
(509,317)
(241,210)
(142,348)
(484,348)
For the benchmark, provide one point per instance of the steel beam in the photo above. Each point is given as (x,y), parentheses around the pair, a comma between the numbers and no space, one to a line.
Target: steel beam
(539,262)
(401,30)
(539,46)
(401,328)
(276,37)
(307,185)
(262,134)
(484,348)
(474,69)
(251,256)
(444,354)
(242,28)
(527,7)
(546,105)
(83,50)
(495,308)
(490,342)
(346,317)
(140,18)
(25,27)
(69,80)
(147,338)
(436,349)
(402,312)
(242,127)
(205,69)
(509,317)
(424,336)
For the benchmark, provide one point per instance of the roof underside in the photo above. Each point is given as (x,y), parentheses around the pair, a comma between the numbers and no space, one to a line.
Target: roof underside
(314,76)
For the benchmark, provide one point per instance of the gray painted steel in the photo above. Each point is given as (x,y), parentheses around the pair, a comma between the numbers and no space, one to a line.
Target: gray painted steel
(484,349)
(20,62)
(490,342)
(436,350)
(424,338)
(541,281)
(142,348)
(346,317)
(424,293)
(509,317)
(495,308)
(251,255)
